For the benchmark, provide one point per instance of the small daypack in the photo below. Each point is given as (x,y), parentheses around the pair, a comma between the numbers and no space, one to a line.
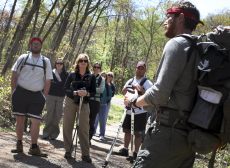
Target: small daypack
(212,75)
(24,62)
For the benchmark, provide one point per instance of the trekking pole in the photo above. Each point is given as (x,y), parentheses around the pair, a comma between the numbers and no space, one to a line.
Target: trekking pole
(78,119)
(76,128)
(132,135)
(117,133)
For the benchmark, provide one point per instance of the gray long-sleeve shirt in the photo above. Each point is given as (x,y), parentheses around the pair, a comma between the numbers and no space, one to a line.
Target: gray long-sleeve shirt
(174,74)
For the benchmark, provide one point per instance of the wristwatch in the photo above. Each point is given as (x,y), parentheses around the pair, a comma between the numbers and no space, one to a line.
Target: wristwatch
(133,102)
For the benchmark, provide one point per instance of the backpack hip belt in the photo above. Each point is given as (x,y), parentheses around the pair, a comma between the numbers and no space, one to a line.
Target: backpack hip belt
(170,117)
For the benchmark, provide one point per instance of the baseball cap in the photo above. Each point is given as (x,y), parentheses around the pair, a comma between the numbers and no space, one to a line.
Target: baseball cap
(141,63)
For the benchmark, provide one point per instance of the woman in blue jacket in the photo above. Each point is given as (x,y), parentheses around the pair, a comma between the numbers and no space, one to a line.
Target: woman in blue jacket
(103,115)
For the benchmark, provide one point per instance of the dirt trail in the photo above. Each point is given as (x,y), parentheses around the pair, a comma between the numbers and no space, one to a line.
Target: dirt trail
(55,150)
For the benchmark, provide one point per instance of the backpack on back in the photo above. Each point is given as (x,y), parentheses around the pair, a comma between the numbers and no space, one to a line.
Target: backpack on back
(22,64)
(213,80)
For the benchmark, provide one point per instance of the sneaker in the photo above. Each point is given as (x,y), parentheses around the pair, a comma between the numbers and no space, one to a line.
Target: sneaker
(134,157)
(87,159)
(101,137)
(37,152)
(19,148)
(122,152)
(227,119)
(67,155)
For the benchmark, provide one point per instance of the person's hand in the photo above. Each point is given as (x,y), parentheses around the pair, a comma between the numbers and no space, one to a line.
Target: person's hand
(100,86)
(139,88)
(129,96)
(82,93)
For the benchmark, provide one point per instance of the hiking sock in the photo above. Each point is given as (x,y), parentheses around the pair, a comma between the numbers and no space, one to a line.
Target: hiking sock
(20,142)
(34,146)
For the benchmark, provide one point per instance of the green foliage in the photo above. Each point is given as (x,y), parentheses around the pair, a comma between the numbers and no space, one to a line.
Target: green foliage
(115,114)
(119,95)
(7,120)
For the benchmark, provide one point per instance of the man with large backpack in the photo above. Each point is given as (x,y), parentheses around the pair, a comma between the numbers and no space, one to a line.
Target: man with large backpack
(30,84)
(143,84)
(166,144)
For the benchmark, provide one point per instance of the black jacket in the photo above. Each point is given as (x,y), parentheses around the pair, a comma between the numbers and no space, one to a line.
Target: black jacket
(56,87)
(77,86)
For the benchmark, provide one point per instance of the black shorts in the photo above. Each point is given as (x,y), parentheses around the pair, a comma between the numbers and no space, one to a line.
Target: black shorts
(139,124)
(27,103)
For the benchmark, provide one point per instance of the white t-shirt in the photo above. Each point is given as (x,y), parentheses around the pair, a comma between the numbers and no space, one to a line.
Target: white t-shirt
(148,84)
(32,77)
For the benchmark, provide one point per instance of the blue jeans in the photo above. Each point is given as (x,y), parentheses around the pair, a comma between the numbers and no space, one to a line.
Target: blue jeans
(107,109)
(102,118)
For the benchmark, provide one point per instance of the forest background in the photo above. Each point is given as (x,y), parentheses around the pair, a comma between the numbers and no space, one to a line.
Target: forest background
(118,33)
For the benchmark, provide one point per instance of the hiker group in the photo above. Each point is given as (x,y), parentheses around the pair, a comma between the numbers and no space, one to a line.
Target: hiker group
(189,102)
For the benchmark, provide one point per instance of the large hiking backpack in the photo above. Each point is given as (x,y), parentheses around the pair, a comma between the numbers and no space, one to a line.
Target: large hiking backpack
(213,79)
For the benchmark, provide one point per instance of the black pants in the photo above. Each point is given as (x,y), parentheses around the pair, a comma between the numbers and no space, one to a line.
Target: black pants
(94,107)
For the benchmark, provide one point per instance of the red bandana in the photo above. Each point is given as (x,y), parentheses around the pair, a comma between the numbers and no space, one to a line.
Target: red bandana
(187,14)
(36,39)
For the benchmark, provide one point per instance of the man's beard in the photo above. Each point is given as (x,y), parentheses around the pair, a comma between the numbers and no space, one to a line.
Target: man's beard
(36,51)
(171,29)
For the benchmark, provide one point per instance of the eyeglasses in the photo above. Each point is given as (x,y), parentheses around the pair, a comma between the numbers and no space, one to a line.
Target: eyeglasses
(81,61)
(110,75)
(97,67)
(60,63)
(36,44)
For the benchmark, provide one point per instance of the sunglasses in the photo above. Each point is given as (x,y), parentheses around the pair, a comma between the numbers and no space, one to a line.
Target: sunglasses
(36,44)
(60,63)
(110,75)
(97,67)
(81,61)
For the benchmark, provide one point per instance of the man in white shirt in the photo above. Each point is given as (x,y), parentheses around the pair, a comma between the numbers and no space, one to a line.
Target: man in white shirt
(139,115)
(30,83)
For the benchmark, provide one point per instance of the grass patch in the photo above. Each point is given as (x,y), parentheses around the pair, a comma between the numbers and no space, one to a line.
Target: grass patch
(120,96)
(115,114)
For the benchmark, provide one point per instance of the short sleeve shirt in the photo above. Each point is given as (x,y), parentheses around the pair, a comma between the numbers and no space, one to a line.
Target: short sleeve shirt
(148,84)
(32,77)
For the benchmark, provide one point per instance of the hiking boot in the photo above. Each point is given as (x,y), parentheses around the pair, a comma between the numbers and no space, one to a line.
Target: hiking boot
(134,157)
(19,148)
(122,152)
(87,159)
(227,119)
(67,155)
(37,152)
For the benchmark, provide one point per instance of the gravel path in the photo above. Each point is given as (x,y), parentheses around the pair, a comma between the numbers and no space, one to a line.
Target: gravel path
(55,150)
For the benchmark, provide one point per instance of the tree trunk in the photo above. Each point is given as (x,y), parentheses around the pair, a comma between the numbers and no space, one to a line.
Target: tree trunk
(20,36)
(4,36)
(47,17)
(34,26)
(55,21)
(57,40)
(88,10)
(17,29)
(115,44)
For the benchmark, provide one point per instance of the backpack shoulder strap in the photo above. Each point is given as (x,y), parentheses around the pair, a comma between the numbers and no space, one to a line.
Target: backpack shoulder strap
(107,89)
(144,79)
(99,81)
(193,39)
(23,63)
(44,66)
(131,81)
